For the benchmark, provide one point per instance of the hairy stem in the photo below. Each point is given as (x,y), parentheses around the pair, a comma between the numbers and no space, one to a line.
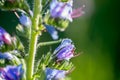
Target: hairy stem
(33,39)
(48,43)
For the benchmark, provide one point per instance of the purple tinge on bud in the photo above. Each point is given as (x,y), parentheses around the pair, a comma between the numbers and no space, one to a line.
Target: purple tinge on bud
(65,50)
(52,31)
(53,74)
(25,20)
(6,55)
(64,10)
(4,36)
(11,73)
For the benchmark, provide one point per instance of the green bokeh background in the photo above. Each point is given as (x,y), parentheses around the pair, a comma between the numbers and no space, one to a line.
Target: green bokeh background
(96,35)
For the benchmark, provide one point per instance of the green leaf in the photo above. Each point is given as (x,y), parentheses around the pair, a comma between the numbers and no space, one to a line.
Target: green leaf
(42,63)
(14,5)
(45,60)
(23,31)
(64,65)
(5,48)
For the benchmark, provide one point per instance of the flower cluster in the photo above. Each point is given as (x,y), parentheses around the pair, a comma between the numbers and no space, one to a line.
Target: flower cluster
(11,73)
(65,51)
(60,14)
(17,59)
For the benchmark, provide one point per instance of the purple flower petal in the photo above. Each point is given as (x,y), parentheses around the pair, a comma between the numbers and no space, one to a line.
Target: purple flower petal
(64,43)
(65,50)
(65,53)
(61,9)
(64,10)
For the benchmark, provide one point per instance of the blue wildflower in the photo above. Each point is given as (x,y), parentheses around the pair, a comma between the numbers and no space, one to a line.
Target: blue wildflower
(6,55)
(64,10)
(4,36)
(25,20)
(65,50)
(52,31)
(11,72)
(54,74)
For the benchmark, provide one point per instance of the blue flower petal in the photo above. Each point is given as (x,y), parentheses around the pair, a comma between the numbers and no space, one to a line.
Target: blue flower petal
(6,56)
(54,74)
(11,72)
(52,31)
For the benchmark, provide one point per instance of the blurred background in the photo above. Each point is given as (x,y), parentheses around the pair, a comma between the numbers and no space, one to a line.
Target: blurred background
(96,34)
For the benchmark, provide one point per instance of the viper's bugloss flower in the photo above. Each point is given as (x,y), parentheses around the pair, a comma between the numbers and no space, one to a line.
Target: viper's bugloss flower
(11,73)
(6,55)
(64,10)
(52,31)
(65,50)
(25,20)
(54,74)
(4,36)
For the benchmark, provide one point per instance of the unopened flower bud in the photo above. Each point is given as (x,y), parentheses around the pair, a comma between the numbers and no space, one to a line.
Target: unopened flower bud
(52,31)
(6,55)
(25,20)
(54,74)
(4,36)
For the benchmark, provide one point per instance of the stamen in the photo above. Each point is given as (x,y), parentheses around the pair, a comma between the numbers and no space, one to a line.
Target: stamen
(78,12)
(16,14)
(77,54)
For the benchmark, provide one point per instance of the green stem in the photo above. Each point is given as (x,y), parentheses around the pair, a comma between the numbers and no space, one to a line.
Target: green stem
(31,57)
(33,39)
(48,43)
